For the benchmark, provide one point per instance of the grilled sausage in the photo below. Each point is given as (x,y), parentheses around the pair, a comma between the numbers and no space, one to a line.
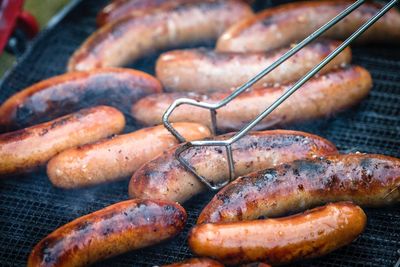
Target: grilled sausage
(285,24)
(319,97)
(280,241)
(116,229)
(116,158)
(165,178)
(204,71)
(367,180)
(134,36)
(196,262)
(32,147)
(70,92)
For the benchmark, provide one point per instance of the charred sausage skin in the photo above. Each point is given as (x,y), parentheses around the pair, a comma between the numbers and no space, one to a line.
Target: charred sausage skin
(288,23)
(366,179)
(32,147)
(66,93)
(122,227)
(283,240)
(165,178)
(196,262)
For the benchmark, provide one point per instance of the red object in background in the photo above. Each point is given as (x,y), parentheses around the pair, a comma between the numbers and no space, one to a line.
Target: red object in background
(13,17)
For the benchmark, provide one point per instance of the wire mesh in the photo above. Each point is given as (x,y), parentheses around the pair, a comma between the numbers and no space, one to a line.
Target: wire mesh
(30,208)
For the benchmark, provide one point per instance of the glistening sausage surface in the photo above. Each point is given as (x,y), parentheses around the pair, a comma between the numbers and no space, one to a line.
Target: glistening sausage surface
(116,158)
(319,97)
(116,229)
(203,70)
(165,178)
(32,147)
(135,36)
(280,241)
(285,24)
(196,262)
(63,94)
(367,180)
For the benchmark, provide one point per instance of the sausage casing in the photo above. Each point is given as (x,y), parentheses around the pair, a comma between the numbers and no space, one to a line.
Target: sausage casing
(321,96)
(285,24)
(367,180)
(134,36)
(165,178)
(280,241)
(32,147)
(196,262)
(70,92)
(205,71)
(118,157)
(116,229)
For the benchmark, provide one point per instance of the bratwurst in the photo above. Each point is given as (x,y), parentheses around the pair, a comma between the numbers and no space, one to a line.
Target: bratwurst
(114,230)
(60,95)
(286,24)
(204,71)
(32,147)
(321,96)
(367,180)
(118,157)
(137,35)
(166,178)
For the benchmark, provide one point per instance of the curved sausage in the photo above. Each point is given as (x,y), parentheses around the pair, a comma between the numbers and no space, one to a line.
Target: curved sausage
(114,230)
(280,241)
(367,180)
(32,147)
(321,96)
(165,177)
(285,24)
(205,71)
(196,262)
(134,36)
(70,92)
(115,158)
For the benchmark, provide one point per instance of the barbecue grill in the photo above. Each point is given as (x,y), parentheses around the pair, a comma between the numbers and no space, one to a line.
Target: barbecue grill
(30,208)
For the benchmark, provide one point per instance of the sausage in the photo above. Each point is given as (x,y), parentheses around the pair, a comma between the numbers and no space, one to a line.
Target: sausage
(205,71)
(321,96)
(285,24)
(116,158)
(134,36)
(196,262)
(114,230)
(367,180)
(32,147)
(280,241)
(70,92)
(165,178)
(121,8)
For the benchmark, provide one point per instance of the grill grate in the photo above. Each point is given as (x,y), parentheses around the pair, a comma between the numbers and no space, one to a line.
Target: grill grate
(31,208)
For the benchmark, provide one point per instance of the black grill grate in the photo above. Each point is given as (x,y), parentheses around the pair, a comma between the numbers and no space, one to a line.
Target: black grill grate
(30,208)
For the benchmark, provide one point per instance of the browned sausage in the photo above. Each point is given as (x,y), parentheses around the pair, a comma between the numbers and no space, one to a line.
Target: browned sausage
(70,92)
(116,229)
(134,36)
(204,70)
(196,262)
(121,8)
(165,178)
(321,96)
(280,241)
(367,180)
(285,24)
(32,147)
(116,158)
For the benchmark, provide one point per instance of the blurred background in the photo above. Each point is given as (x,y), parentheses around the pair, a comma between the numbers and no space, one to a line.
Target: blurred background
(43,11)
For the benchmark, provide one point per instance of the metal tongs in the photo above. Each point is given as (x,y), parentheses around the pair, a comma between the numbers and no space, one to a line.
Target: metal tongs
(215,106)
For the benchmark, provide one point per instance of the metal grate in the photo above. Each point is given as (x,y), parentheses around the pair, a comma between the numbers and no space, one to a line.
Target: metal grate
(30,208)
